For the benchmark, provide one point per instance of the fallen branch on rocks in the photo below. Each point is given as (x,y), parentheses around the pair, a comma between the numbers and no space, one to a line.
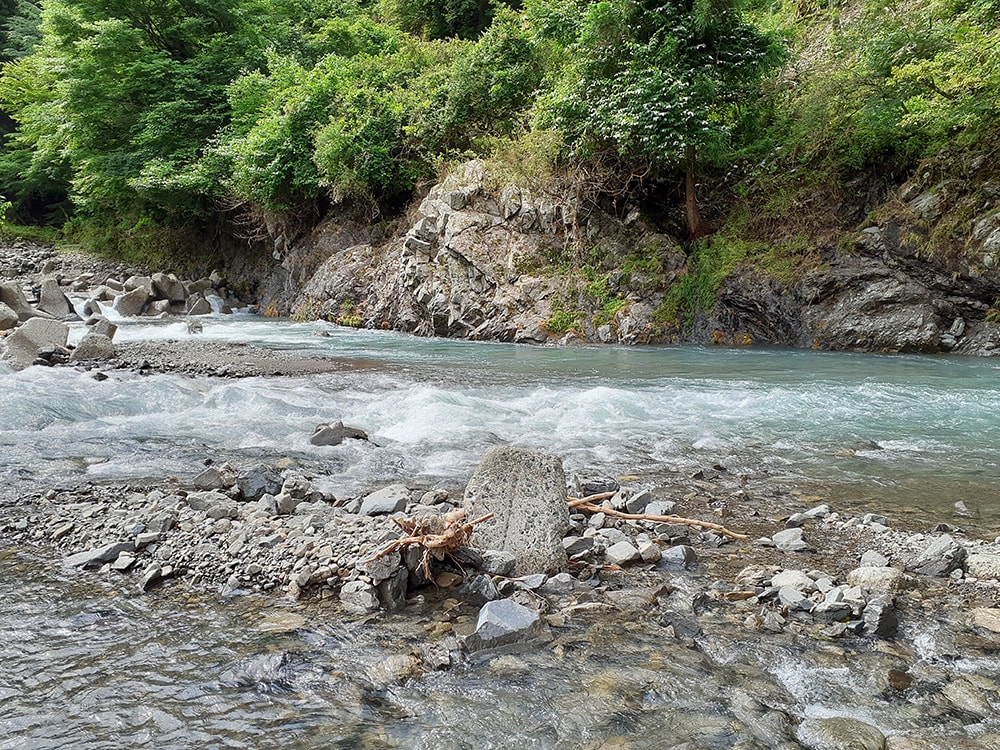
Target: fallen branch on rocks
(436,534)
(587,504)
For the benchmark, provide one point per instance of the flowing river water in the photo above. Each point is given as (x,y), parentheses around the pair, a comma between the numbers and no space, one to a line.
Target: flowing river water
(86,662)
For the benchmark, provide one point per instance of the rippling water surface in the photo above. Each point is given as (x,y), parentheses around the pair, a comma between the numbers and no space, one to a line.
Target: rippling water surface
(85,662)
(902,433)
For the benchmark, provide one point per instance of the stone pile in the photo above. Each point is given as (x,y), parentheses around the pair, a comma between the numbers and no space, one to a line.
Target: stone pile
(33,319)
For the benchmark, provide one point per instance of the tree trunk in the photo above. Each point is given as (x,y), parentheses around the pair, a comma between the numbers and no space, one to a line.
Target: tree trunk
(695,227)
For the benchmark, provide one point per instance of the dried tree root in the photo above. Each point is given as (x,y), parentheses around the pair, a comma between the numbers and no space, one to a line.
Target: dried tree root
(436,534)
(586,503)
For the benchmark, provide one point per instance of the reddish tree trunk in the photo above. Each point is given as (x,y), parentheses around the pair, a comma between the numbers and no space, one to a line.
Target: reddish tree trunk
(696,228)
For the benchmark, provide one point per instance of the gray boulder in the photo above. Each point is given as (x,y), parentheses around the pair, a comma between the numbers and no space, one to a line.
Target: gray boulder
(839,733)
(335,434)
(679,556)
(391,499)
(23,344)
(100,324)
(93,346)
(790,540)
(94,557)
(8,318)
(503,623)
(52,300)
(622,553)
(213,504)
(168,287)
(131,303)
(359,597)
(880,617)
(526,492)
(198,305)
(254,483)
(939,559)
(13,296)
(983,565)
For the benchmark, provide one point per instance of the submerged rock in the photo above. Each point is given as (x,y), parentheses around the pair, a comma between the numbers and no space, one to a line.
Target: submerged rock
(503,623)
(336,433)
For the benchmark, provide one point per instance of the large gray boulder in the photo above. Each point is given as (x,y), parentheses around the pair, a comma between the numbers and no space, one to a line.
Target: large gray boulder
(93,347)
(526,492)
(132,302)
(943,556)
(53,301)
(335,433)
(8,318)
(23,344)
(13,296)
(169,287)
(391,499)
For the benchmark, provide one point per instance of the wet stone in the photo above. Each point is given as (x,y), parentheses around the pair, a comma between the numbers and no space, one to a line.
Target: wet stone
(840,733)
(622,553)
(503,623)
(94,557)
(942,557)
(880,617)
(680,556)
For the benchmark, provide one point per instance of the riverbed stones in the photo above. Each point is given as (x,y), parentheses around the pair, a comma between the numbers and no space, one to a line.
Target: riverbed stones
(790,540)
(36,334)
(99,555)
(878,580)
(942,556)
(335,433)
(93,347)
(526,492)
(622,553)
(258,480)
(987,618)
(53,301)
(213,504)
(13,296)
(983,565)
(359,597)
(8,318)
(132,302)
(679,557)
(391,499)
(880,617)
(503,623)
(840,733)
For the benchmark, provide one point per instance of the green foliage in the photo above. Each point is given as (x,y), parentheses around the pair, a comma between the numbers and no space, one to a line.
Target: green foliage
(608,303)
(650,79)
(563,321)
(902,79)
(442,19)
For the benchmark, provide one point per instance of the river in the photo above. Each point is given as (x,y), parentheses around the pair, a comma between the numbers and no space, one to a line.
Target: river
(87,662)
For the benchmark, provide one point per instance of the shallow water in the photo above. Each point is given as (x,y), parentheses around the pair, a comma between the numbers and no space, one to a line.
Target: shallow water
(87,662)
(907,435)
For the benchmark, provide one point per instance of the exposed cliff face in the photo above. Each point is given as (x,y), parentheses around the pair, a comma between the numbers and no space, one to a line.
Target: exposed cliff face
(487,260)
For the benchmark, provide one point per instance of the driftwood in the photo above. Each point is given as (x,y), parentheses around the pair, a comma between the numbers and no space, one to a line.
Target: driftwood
(438,535)
(587,504)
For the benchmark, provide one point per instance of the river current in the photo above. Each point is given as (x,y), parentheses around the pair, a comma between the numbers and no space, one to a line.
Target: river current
(88,662)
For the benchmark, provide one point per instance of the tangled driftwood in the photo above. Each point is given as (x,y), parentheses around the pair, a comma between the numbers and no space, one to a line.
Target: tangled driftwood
(587,504)
(438,535)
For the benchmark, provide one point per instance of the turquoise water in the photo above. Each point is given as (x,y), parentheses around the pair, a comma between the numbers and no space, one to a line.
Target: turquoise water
(903,434)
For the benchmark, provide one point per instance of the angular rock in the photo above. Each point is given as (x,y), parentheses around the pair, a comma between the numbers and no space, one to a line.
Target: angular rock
(622,553)
(153,575)
(497,562)
(479,589)
(99,556)
(13,296)
(52,300)
(213,504)
(168,287)
(872,559)
(679,556)
(23,344)
(576,545)
(8,318)
(987,618)
(131,303)
(503,623)
(382,567)
(840,733)
(790,540)
(794,600)
(650,552)
(526,492)
(254,483)
(93,347)
(391,591)
(639,501)
(359,597)
(877,580)
(335,433)
(832,611)
(198,305)
(794,578)
(100,324)
(943,556)
(880,617)
(983,565)
(391,499)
